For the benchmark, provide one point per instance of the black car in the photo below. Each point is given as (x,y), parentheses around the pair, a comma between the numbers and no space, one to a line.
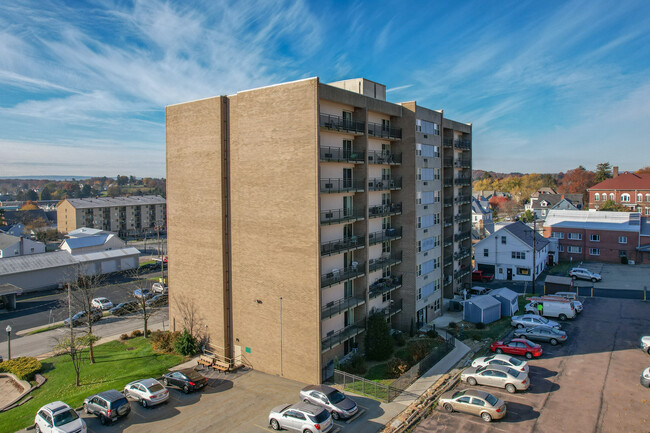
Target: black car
(107,405)
(158,301)
(125,308)
(186,379)
(82,317)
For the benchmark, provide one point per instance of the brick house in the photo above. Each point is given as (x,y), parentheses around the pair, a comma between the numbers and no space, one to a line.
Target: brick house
(613,237)
(627,189)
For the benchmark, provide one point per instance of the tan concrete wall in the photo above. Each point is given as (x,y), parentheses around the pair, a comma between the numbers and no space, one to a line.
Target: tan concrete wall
(66,217)
(275,248)
(194,216)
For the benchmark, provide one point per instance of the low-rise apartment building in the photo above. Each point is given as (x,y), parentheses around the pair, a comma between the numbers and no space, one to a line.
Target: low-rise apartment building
(626,189)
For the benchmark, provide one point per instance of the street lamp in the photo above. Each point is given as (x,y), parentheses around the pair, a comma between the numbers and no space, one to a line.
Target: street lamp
(8,329)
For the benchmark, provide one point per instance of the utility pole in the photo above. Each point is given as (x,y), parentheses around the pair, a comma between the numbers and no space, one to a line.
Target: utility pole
(534,250)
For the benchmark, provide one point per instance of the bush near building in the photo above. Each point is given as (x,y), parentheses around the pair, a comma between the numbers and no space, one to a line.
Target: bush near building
(23,367)
(379,343)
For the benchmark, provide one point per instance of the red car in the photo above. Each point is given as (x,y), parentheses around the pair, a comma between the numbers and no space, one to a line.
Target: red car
(482,276)
(517,346)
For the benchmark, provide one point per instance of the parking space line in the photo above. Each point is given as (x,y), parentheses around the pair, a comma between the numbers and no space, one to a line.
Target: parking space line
(263,428)
(356,415)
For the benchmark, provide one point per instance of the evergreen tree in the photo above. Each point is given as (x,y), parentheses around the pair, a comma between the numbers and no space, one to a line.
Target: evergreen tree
(603,171)
(379,343)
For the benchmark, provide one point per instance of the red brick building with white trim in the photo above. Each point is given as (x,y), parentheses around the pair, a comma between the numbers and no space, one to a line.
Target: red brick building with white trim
(627,189)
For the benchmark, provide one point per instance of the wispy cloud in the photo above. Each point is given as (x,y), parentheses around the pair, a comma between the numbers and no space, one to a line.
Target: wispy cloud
(398,88)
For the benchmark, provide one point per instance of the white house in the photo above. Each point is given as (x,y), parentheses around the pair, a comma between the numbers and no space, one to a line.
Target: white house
(508,253)
(482,217)
(93,243)
(11,246)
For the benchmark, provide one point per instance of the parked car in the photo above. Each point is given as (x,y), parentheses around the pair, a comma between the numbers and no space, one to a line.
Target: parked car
(478,291)
(186,379)
(482,276)
(107,405)
(301,417)
(645,378)
(552,307)
(142,293)
(542,333)
(159,288)
(125,308)
(148,392)
(58,417)
(474,402)
(498,376)
(157,301)
(337,403)
(576,304)
(517,346)
(529,320)
(101,303)
(584,274)
(645,344)
(82,317)
(506,360)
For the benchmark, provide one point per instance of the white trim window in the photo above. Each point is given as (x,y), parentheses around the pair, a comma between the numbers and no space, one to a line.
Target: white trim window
(486,252)
(611,196)
(647,197)
(594,238)
(596,197)
(594,251)
(622,239)
(625,197)
(519,255)
(557,235)
(647,211)
(561,247)
(573,249)
(574,236)
(639,197)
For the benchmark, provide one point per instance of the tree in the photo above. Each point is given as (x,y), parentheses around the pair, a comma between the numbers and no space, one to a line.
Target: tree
(46,194)
(29,205)
(577,181)
(122,180)
(644,170)
(528,216)
(603,171)
(611,205)
(86,191)
(192,321)
(31,195)
(114,191)
(379,343)
(143,310)
(82,289)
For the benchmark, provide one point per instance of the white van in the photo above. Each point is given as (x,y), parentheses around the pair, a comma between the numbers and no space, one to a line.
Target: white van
(562,309)
(571,296)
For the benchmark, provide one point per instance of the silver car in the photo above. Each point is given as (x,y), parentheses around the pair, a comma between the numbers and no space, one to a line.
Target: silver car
(301,417)
(148,392)
(501,359)
(531,320)
(498,376)
(542,333)
(336,403)
(584,274)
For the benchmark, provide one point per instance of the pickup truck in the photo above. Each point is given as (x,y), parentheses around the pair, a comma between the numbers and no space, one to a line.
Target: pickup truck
(482,276)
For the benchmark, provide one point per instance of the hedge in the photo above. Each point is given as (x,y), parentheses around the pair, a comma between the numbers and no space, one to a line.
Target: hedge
(23,367)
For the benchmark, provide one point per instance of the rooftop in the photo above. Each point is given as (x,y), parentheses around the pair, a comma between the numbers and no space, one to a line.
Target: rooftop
(599,220)
(624,180)
(87,203)
(523,232)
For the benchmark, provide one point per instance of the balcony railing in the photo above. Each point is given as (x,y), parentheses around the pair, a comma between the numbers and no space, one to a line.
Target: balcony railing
(462,235)
(337,123)
(385,285)
(461,272)
(337,216)
(338,275)
(447,161)
(448,142)
(463,144)
(379,184)
(447,259)
(385,261)
(463,252)
(448,202)
(447,181)
(448,241)
(385,235)
(342,245)
(383,157)
(463,163)
(341,185)
(337,307)
(385,210)
(394,308)
(448,221)
(462,218)
(334,339)
(463,181)
(377,130)
(338,154)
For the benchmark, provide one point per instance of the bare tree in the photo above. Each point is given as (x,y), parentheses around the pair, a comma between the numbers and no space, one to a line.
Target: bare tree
(82,288)
(192,320)
(136,289)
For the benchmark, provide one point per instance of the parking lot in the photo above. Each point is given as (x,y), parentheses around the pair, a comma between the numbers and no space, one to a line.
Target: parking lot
(617,276)
(589,384)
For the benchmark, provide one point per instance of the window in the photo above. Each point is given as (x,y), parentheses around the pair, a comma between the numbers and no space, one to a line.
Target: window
(436,305)
(427,151)
(573,250)
(594,238)
(385,297)
(419,295)
(594,251)
(418,149)
(436,152)
(436,196)
(611,195)
(622,239)
(503,240)
(419,270)
(622,253)
(561,247)
(426,173)
(436,174)
(436,241)
(436,218)
(575,236)
(419,222)
(419,174)
(436,263)
(647,211)
(419,248)
(596,197)
(639,197)
(385,247)
(519,255)
(557,235)
(427,127)
(523,271)
(625,197)
(647,197)
(486,252)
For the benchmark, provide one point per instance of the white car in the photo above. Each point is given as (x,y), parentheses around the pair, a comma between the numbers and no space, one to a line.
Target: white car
(101,303)
(159,288)
(58,417)
(502,359)
(148,392)
(645,344)
(584,274)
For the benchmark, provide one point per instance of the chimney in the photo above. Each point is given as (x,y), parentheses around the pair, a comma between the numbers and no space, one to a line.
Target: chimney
(22,245)
(615,171)
(562,198)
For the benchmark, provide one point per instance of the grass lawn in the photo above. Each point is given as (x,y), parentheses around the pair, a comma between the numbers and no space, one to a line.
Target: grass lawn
(115,367)
(562,269)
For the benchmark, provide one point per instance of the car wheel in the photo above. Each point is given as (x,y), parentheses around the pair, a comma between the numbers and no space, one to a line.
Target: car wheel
(648,350)
(305,400)
(573,277)
(86,411)
(165,382)
(103,420)
(143,402)
(471,381)
(553,342)
(335,415)
(511,388)
(486,417)
(593,280)
(38,429)
(275,425)
(499,351)
(448,407)
(529,355)
(519,325)
(306,431)
(186,389)
(562,317)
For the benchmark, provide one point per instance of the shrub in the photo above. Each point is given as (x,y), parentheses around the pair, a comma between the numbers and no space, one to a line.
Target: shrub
(399,339)
(432,333)
(164,341)
(355,365)
(397,367)
(23,367)
(185,344)
(379,343)
(452,325)
(136,333)
(480,325)
(417,350)
(124,337)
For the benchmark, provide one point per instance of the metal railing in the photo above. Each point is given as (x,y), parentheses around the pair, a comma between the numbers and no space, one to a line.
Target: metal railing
(337,123)
(463,163)
(337,307)
(384,210)
(338,154)
(461,218)
(447,181)
(463,144)
(377,130)
(385,235)
(385,285)
(462,235)
(380,184)
(447,161)
(341,185)
(332,340)
(387,260)
(341,245)
(463,252)
(448,142)
(448,202)
(383,157)
(463,181)
(339,275)
(461,272)
(448,221)
(336,216)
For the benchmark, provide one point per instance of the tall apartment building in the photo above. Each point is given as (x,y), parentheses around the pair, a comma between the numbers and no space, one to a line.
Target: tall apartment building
(329,204)
(126,216)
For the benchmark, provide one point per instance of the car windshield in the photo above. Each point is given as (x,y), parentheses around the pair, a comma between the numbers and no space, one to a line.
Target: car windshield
(458,394)
(515,362)
(336,397)
(155,387)
(491,399)
(544,320)
(321,417)
(193,375)
(513,373)
(62,418)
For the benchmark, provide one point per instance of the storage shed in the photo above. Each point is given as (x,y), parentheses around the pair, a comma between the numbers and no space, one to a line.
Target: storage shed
(555,283)
(482,309)
(508,299)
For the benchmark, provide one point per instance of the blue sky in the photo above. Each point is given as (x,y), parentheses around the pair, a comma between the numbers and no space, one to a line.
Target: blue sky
(547,85)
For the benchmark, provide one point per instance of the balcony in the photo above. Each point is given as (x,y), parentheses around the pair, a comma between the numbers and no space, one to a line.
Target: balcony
(338,154)
(337,123)
(463,144)
(461,272)
(447,161)
(394,308)
(342,245)
(463,181)
(337,216)
(448,181)
(447,259)
(462,253)
(462,236)
(448,202)
(462,218)
(448,142)
(390,234)
(385,261)
(340,275)
(385,210)
(378,184)
(381,131)
(331,186)
(335,338)
(448,221)
(463,163)
(383,157)
(448,241)
(385,285)
(337,307)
